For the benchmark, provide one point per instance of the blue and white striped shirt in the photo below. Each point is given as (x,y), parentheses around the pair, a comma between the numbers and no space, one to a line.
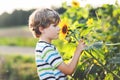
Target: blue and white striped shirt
(47,60)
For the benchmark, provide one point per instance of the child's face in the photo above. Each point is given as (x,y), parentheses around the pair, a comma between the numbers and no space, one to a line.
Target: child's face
(52,32)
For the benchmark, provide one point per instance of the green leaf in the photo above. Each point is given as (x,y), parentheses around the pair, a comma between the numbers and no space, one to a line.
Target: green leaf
(85,32)
(109,76)
(97,44)
(115,60)
(85,13)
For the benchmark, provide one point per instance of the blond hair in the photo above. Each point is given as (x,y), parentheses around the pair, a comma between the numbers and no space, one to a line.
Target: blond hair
(42,18)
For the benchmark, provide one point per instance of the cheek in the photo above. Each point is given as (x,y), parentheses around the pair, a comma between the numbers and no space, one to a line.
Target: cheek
(50,32)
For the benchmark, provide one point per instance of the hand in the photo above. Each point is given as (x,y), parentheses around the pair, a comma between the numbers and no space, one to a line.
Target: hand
(81,45)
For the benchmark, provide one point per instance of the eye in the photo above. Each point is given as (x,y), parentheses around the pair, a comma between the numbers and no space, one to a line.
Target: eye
(54,25)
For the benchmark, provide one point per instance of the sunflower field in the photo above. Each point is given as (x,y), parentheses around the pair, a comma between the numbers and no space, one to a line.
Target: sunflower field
(100,29)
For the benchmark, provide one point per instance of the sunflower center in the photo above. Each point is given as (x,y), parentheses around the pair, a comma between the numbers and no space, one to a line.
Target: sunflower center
(75,3)
(64,29)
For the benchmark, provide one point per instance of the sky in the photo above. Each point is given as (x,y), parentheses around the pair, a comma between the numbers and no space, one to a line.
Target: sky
(11,5)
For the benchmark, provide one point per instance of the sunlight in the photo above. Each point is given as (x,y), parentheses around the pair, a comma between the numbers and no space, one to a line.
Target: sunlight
(10,5)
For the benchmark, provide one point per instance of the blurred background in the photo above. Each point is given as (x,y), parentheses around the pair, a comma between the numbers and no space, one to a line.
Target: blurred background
(17,43)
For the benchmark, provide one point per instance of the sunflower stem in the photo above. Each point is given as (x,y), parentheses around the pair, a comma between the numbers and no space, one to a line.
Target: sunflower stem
(74,36)
(114,44)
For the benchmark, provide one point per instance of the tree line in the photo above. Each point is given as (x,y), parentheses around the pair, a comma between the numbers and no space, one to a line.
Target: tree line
(19,17)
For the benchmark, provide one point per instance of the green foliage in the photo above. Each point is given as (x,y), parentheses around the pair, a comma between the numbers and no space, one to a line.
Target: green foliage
(100,29)
(17,67)
(18,41)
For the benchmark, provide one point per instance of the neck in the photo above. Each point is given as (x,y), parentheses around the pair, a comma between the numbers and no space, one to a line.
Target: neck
(45,39)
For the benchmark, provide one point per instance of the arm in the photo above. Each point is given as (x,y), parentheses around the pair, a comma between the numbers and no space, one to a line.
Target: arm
(70,68)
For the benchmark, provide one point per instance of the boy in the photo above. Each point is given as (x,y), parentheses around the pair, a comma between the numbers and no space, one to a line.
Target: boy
(44,25)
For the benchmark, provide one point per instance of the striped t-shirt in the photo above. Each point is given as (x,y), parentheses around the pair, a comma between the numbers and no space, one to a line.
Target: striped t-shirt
(47,60)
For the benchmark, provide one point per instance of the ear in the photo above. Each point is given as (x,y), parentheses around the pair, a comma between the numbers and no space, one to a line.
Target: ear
(41,29)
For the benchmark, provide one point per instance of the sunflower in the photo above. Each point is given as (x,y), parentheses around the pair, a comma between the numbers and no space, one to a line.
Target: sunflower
(89,22)
(63,28)
(75,3)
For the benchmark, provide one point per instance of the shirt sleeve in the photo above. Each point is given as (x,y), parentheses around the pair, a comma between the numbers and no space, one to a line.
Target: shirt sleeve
(52,56)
